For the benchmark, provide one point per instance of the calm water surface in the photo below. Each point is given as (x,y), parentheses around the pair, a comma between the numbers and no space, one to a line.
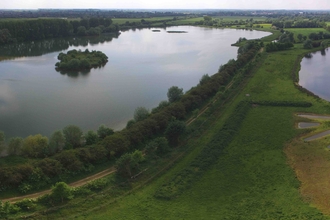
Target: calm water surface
(34,98)
(315,73)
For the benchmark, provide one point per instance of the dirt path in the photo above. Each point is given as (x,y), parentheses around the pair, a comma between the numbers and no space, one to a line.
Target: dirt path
(74,184)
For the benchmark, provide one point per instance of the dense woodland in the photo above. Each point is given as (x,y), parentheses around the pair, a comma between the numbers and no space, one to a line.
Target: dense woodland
(30,30)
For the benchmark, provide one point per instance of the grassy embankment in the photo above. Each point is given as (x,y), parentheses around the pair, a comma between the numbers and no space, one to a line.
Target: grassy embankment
(251,179)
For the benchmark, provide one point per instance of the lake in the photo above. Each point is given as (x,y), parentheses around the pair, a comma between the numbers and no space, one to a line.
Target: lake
(314,74)
(35,98)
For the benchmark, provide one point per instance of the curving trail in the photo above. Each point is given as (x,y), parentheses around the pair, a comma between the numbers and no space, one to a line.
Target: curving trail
(74,184)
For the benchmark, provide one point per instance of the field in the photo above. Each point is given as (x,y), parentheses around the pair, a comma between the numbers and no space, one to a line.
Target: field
(234,18)
(304,31)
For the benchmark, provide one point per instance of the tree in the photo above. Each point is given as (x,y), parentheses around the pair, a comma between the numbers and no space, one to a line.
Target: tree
(103,131)
(81,31)
(204,79)
(61,192)
(2,142)
(35,146)
(69,160)
(50,167)
(300,37)
(73,136)
(158,146)
(174,130)
(140,113)
(130,123)
(128,164)
(116,144)
(91,137)
(324,44)
(15,145)
(56,142)
(174,93)
(308,44)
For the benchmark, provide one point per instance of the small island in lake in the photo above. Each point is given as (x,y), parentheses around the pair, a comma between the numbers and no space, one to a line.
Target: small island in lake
(77,60)
(176,32)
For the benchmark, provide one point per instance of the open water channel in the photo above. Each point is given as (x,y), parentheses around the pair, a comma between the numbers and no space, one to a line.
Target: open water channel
(35,98)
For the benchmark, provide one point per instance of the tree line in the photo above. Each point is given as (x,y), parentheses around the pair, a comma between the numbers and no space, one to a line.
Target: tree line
(30,30)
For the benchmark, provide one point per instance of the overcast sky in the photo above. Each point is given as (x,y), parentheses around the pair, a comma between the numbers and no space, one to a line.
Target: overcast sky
(167,4)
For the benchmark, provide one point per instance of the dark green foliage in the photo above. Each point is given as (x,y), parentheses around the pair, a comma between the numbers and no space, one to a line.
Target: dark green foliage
(56,142)
(50,167)
(61,192)
(7,208)
(26,205)
(78,60)
(204,79)
(14,176)
(140,113)
(2,142)
(35,146)
(39,29)
(36,180)
(116,144)
(174,93)
(103,131)
(15,146)
(73,137)
(69,160)
(308,44)
(174,130)
(130,123)
(91,137)
(278,46)
(98,154)
(160,106)
(128,164)
(286,37)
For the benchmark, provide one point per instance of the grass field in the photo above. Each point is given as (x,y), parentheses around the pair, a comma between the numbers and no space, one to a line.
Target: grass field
(234,18)
(305,31)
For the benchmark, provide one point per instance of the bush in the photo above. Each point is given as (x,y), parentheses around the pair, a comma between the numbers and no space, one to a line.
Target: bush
(26,205)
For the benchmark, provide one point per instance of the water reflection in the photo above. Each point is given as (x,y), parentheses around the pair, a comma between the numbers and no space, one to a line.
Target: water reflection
(314,73)
(308,56)
(8,101)
(323,52)
(38,48)
(75,74)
